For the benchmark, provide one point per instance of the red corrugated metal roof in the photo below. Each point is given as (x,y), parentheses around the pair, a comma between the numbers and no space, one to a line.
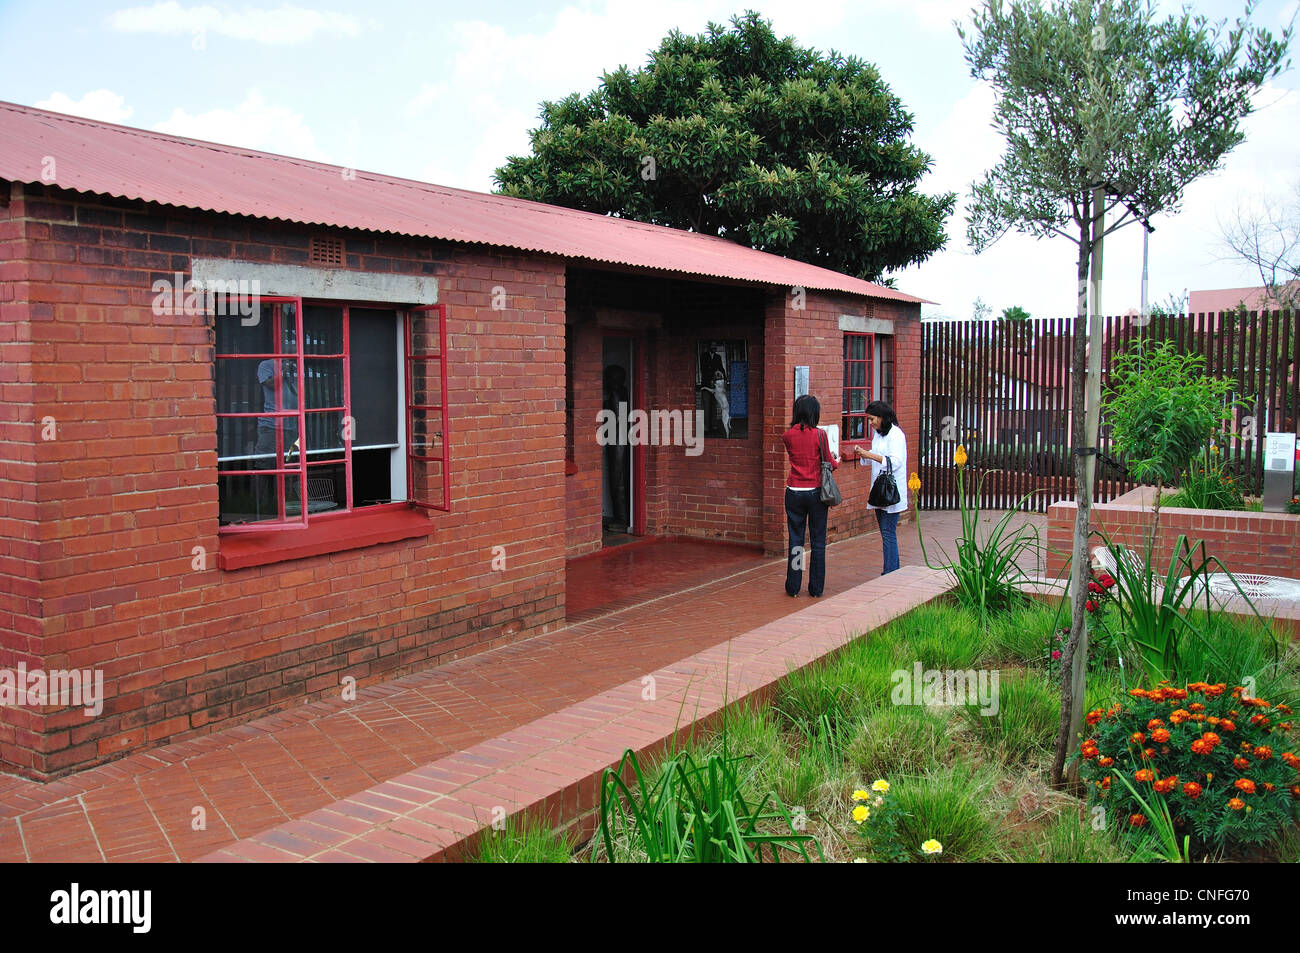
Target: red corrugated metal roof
(105,159)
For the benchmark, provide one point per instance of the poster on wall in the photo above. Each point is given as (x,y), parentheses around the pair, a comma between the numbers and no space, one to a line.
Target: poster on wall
(722,387)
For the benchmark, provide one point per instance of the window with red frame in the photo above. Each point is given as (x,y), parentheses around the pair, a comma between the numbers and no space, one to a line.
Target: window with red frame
(311,401)
(859,384)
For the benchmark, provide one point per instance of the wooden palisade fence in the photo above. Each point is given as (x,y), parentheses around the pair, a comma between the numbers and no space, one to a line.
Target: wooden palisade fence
(1002,389)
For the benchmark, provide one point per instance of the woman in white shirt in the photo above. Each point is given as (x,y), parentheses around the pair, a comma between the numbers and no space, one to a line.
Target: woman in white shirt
(890,442)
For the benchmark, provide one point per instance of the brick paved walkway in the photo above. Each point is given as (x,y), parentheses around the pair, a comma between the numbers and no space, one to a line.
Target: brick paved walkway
(249,778)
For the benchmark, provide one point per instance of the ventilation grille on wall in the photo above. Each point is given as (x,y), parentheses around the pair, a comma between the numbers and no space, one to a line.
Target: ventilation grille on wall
(327,251)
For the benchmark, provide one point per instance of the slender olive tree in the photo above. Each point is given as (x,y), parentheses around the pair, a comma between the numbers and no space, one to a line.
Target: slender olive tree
(1105,109)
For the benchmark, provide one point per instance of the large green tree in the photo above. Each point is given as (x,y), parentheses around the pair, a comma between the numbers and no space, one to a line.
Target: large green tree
(1105,109)
(738,133)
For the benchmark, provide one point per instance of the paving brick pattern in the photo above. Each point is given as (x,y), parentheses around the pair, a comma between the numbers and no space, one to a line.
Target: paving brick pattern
(276,770)
(552,766)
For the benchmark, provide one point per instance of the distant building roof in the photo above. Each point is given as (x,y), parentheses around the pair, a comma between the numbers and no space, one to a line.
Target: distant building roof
(1227,299)
(105,159)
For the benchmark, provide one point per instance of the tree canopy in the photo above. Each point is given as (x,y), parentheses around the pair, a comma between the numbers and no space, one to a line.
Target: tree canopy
(737,133)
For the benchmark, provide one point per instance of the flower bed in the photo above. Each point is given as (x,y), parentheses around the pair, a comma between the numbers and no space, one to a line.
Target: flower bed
(1245,541)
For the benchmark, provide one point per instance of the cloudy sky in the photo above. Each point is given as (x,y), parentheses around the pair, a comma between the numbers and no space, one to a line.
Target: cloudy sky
(443,92)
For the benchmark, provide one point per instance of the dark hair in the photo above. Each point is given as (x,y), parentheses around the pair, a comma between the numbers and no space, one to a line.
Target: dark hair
(878,408)
(807,411)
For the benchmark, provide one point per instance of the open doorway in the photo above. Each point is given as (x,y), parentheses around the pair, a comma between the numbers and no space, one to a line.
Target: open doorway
(618,493)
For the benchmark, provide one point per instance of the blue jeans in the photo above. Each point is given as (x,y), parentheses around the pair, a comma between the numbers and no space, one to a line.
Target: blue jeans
(805,508)
(888,523)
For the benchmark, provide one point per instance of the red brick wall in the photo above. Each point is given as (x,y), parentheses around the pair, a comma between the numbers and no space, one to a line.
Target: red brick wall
(1264,543)
(20,434)
(115,504)
(583,487)
(811,335)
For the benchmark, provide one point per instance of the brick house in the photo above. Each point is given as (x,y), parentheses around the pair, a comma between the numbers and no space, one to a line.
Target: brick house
(173,516)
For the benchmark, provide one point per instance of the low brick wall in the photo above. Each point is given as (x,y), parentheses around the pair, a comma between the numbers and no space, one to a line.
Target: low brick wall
(1246,542)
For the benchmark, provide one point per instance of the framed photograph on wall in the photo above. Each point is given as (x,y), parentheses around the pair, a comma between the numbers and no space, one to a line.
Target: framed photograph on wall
(722,387)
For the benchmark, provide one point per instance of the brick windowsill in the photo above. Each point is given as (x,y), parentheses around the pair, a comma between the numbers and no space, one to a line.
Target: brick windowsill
(331,535)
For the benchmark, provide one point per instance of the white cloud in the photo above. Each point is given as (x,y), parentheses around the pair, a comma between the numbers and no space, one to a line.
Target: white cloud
(253,124)
(101,104)
(281,27)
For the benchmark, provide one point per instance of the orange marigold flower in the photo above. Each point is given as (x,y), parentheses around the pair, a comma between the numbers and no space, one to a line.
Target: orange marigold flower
(1165,785)
(1244,784)
(1105,762)
(1155,723)
(1256,703)
(1198,687)
(1192,790)
(1291,759)
(1259,719)
(1270,788)
(1093,716)
(1144,774)
(1284,709)
(1214,691)
(1211,738)
(1148,752)
(1227,725)
(1174,693)
(1137,820)
(1178,716)
(1236,803)
(1160,734)
(1198,717)
(1104,782)
(1200,747)
(1137,738)
(1263,752)
(1213,720)
(1196,706)
(1295,790)
(1240,763)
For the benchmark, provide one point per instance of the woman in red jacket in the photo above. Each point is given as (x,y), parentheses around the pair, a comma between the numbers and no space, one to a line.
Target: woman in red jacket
(807,446)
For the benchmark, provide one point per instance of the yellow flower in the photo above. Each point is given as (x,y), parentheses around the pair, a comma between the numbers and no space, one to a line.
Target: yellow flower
(861,813)
(932,846)
(914,483)
(882,786)
(861,795)
(959,457)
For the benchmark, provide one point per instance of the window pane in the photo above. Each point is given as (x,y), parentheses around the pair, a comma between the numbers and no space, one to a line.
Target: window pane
(324,382)
(322,329)
(859,375)
(857,401)
(373,366)
(324,435)
(251,498)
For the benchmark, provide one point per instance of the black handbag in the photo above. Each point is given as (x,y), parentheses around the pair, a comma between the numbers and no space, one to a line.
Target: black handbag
(884,492)
(830,492)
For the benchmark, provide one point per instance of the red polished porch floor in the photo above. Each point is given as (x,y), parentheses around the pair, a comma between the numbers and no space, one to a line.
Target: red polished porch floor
(628,575)
(248,778)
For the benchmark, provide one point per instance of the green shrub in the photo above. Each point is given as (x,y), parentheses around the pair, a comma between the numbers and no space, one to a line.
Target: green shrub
(1072,839)
(898,739)
(522,841)
(948,805)
(693,811)
(1223,762)
(1025,724)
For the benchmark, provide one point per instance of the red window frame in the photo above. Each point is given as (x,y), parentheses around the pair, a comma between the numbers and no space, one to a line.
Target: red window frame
(869,364)
(283,522)
(439,358)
